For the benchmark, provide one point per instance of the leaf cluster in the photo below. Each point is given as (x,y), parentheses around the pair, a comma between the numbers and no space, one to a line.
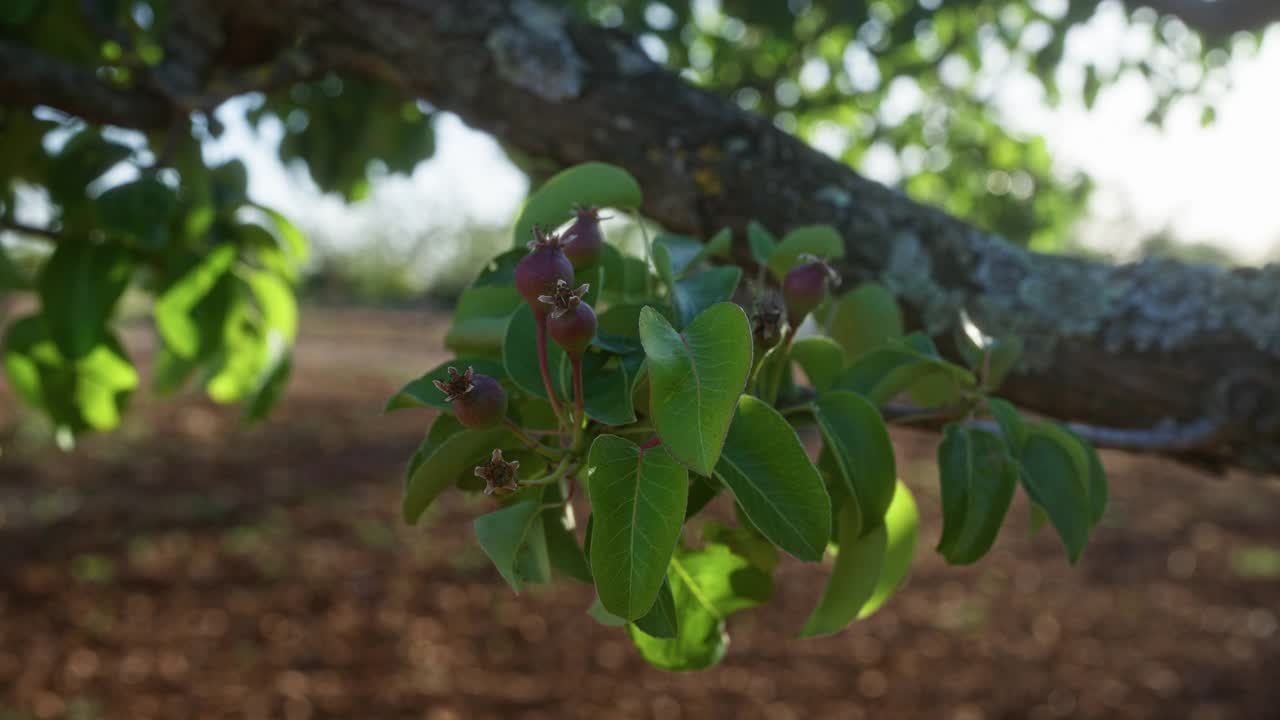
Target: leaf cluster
(683,406)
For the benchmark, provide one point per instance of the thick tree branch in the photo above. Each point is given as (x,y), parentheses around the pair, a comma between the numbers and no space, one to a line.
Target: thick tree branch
(1132,347)
(1147,345)
(1216,18)
(31,78)
(31,231)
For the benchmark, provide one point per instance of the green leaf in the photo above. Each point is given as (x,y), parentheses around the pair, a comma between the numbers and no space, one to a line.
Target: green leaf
(770,475)
(270,388)
(624,276)
(501,270)
(11,277)
(1004,355)
(702,490)
(695,378)
(604,617)
(18,12)
(443,463)
(638,502)
(854,576)
(562,546)
(720,245)
(291,240)
(883,373)
(174,308)
(1056,478)
(79,287)
(821,358)
(866,318)
(503,534)
(84,158)
(422,393)
(978,478)
(243,353)
(661,620)
(762,243)
(480,319)
(701,290)
(1012,427)
(821,240)
(707,586)
(1098,490)
(88,392)
(674,255)
(277,306)
(1036,519)
(138,210)
(902,527)
(606,387)
(859,443)
(589,184)
(743,540)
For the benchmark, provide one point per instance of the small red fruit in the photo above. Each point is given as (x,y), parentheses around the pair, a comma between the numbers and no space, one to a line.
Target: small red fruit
(478,400)
(572,322)
(537,273)
(583,239)
(805,287)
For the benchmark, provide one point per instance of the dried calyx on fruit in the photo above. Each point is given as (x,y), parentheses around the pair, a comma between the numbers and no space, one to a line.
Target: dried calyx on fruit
(572,322)
(537,273)
(584,238)
(805,287)
(766,320)
(478,400)
(499,475)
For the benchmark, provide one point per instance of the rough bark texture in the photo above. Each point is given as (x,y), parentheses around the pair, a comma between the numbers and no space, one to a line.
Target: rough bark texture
(1155,355)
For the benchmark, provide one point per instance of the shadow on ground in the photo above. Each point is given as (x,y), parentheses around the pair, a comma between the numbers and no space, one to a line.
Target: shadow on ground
(183,568)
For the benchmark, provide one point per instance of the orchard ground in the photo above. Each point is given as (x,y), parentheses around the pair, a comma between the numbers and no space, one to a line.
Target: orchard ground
(184,568)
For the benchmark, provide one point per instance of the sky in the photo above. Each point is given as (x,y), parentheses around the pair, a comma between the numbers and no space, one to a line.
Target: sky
(1215,185)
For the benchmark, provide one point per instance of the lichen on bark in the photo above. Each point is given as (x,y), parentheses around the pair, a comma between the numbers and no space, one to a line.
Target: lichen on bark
(534,52)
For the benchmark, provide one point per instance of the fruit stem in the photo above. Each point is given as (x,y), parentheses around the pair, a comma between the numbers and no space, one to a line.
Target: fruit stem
(580,414)
(540,319)
(629,430)
(784,364)
(754,383)
(561,470)
(652,442)
(796,410)
(534,445)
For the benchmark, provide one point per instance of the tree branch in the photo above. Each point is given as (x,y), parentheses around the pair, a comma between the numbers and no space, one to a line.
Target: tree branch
(1128,347)
(1218,18)
(31,231)
(31,78)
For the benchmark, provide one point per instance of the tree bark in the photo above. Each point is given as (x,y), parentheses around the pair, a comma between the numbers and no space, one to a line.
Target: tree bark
(1154,356)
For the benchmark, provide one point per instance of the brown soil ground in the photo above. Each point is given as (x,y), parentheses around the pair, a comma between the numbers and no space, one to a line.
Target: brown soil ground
(185,568)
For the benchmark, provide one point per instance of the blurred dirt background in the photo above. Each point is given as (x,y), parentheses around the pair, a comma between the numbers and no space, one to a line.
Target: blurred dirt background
(185,568)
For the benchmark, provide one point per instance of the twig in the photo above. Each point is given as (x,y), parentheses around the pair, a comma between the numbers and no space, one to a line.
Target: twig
(1198,434)
(580,413)
(534,445)
(31,230)
(540,320)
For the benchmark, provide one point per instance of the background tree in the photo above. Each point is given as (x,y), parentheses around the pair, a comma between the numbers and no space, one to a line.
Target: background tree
(1155,356)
